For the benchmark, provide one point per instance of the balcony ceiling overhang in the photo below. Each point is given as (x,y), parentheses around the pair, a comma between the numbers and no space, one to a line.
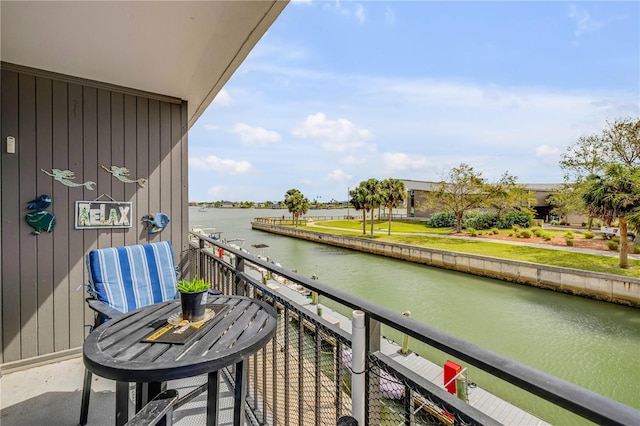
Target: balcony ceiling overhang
(183,49)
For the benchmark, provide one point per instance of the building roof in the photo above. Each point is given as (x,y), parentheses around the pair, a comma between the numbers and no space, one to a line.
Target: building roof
(182,49)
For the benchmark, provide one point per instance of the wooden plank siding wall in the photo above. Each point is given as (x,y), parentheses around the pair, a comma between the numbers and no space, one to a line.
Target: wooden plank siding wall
(69,123)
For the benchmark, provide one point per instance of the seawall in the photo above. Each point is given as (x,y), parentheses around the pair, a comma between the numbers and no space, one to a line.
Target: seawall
(595,285)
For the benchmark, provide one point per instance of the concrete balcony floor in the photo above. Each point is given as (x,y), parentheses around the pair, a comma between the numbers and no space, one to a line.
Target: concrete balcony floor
(50,395)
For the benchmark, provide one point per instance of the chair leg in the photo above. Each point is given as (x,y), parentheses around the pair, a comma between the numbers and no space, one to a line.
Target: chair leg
(86,392)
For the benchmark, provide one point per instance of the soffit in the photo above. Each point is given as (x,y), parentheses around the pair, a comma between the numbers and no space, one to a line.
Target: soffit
(186,50)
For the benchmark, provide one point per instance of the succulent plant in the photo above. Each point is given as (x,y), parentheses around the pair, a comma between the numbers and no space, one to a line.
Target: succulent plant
(193,286)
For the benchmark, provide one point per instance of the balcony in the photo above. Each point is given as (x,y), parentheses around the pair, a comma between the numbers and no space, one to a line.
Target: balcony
(320,366)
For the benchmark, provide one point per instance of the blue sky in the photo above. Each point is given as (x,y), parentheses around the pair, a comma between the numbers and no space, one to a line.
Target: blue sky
(339,92)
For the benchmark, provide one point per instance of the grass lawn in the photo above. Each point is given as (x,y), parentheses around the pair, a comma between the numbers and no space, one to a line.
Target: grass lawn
(567,259)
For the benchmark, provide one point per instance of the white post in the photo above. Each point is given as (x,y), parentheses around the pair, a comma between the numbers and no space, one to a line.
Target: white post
(358,351)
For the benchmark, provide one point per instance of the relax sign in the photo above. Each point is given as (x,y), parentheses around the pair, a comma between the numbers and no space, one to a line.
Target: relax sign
(103,214)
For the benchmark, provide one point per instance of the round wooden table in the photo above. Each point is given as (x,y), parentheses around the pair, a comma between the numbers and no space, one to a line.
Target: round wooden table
(116,350)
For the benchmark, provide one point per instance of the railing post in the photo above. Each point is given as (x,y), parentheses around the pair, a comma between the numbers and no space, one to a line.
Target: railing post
(358,364)
(372,410)
(201,258)
(239,268)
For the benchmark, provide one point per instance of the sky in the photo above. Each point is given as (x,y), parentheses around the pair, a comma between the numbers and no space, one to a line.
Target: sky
(337,92)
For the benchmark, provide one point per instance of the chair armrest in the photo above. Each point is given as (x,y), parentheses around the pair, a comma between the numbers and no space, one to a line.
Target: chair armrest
(156,410)
(103,309)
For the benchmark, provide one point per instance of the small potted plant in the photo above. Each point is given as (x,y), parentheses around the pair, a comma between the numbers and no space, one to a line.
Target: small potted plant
(193,298)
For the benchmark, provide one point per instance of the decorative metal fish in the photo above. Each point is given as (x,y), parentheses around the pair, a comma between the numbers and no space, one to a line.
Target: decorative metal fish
(41,221)
(65,176)
(122,174)
(156,222)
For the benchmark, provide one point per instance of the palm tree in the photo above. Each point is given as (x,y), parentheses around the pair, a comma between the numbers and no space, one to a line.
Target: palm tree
(374,196)
(358,200)
(296,203)
(393,195)
(616,194)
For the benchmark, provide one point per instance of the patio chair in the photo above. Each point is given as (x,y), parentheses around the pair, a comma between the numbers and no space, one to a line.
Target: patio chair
(122,279)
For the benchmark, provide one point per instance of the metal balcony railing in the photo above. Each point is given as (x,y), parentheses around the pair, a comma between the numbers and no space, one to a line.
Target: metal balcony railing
(303,376)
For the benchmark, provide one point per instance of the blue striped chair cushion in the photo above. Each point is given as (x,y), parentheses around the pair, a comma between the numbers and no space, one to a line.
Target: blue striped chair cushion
(127,278)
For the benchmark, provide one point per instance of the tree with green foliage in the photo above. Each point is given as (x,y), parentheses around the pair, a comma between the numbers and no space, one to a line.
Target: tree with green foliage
(507,195)
(297,204)
(461,189)
(393,195)
(373,198)
(568,198)
(358,201)
(615,194)
(619,143)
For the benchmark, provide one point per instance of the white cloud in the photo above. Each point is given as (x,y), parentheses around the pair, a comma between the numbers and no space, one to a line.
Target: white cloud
(584,22)
(338,176)
(255,136)
(548,154)
(211,127)
(345,9)
(223,98)
(339,135)
(360,13)
(213,163)
(389,16)
(397,161)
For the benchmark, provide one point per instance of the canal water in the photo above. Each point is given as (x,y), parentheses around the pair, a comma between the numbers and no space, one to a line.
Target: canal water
(593,344)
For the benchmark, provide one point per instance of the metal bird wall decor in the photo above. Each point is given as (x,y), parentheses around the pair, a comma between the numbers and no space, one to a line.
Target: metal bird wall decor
(65,177)
(122,174)
(40,219)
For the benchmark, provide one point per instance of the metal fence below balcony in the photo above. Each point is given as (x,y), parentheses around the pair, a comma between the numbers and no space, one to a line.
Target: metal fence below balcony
(306,376)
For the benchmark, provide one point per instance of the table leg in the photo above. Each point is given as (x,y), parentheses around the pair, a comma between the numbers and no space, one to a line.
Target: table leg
(213,391)
(122,403)
(238,394)
(145,392)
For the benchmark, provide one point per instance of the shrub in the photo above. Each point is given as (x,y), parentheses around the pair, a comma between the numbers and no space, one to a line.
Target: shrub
(525,233)
(442,220)
(495,231)
(537,231)
(569,234)
(472,232)
(589,235)
(636,249)
(511,234)
(569,241)
(547,236)
(515,217)
(555,222)
(479,220)
(616,239)
(613,245)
